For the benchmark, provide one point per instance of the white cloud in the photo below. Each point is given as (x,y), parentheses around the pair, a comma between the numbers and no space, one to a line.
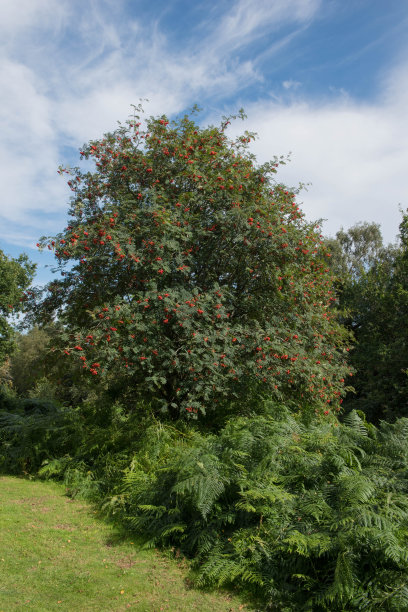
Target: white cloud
(17,16)
(354,155)
(289,84)
(28,150)
(248,19)
(57,95)
(54,95)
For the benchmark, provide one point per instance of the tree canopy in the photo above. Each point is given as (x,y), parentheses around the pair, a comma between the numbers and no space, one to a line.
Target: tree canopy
(190,273)
(373,296)
(15,276)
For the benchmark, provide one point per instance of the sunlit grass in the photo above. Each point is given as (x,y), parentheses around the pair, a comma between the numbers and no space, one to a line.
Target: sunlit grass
(55,554)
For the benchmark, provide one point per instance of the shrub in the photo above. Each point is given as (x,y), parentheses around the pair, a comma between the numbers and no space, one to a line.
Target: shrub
(306,517)
(34,430)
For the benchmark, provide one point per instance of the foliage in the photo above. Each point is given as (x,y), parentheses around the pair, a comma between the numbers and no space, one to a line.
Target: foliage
(303,514)
(88,446)
(5,373)
(374,296)
(306,517)
(355,251)
(32,430)
(28,362)
(190,285)
(15,276)
(190,277)
(35,372)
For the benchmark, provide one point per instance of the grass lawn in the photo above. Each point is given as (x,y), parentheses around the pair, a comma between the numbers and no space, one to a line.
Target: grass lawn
(56,555)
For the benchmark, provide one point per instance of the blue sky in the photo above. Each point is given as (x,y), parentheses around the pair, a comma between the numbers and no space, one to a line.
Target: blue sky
(326,80)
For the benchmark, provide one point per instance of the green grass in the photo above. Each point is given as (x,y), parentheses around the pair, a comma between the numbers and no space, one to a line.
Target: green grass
(55,554)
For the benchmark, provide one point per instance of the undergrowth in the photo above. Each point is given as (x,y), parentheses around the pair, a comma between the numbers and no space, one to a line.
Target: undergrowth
(302,516)
(306,517)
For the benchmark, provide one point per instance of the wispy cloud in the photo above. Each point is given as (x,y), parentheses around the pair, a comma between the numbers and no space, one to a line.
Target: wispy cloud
(354,155)
(291,84)
(249,20)
(21,16)
(70,69)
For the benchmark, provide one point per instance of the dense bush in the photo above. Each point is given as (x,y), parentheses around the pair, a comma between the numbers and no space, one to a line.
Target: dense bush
(34,372)
(302,515)
(87,446)
(306,517)
(32,430)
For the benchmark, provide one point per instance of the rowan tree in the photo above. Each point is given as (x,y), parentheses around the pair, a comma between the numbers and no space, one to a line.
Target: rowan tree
(191,272)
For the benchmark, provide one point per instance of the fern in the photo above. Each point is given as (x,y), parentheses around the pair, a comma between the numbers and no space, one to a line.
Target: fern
(270,503)
(302,515)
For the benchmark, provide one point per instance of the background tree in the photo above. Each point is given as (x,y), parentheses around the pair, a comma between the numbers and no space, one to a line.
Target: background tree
(28,362)
(34,372)
(373,296)
(191,275)
(15,276)
(354,251)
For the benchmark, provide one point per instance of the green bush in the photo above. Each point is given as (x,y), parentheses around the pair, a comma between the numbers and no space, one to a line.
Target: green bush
(34,430)
(88,446)
(306,517)
(303,515)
